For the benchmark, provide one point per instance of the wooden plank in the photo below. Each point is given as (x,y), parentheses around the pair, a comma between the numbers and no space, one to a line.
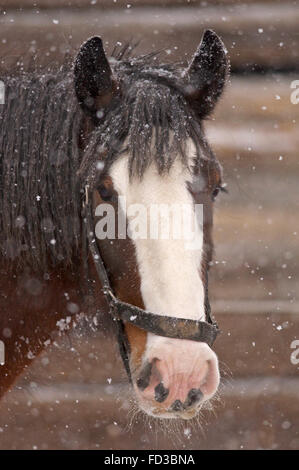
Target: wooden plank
(255,307)
(15,4)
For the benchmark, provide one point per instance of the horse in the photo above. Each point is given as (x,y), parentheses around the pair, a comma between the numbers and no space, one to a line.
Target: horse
(73,143)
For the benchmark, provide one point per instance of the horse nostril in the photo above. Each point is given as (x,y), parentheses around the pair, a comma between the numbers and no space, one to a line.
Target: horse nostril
(144,378)
(161,393)
(194,396)
(177,406)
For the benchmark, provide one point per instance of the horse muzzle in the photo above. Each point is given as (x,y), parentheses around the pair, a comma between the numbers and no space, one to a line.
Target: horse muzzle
(176,377)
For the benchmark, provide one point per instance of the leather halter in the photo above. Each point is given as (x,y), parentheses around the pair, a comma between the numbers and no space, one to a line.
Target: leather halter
(122,312)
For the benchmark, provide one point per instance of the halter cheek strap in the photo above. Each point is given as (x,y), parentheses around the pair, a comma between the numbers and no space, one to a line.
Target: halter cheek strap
(121,312)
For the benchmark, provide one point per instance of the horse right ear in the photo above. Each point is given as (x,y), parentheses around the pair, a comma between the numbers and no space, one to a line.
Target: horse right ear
(94,84)
(207,74)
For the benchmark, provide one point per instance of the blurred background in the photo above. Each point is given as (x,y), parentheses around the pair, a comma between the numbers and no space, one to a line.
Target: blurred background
(76,395)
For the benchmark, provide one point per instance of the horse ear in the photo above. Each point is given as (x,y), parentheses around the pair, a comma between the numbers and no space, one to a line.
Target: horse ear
(207,74)
(94,84)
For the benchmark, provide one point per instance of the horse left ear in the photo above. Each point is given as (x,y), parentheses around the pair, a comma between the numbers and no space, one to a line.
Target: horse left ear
(207,74)
(94,83)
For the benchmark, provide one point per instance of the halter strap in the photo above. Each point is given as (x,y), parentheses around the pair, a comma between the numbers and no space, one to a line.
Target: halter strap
(122,312)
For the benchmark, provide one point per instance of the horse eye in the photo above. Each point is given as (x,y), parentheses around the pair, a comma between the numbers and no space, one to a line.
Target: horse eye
(215,193)
(105,193)
(217,190)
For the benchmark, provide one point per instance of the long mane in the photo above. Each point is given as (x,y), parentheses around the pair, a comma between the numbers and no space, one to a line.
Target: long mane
(39,159)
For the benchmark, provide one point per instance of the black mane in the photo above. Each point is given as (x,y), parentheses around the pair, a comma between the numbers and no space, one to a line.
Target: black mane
(39,159)
(40,199)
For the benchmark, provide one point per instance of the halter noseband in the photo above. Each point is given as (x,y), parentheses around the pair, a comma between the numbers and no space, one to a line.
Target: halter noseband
(122,312)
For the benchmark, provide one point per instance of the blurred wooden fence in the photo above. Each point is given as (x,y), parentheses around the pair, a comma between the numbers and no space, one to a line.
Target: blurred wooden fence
(258,35)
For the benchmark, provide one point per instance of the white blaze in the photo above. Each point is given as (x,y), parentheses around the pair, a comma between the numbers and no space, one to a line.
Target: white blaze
(170,273)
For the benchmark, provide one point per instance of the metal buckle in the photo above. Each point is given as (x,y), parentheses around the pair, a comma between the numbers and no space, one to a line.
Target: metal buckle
(108,292)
